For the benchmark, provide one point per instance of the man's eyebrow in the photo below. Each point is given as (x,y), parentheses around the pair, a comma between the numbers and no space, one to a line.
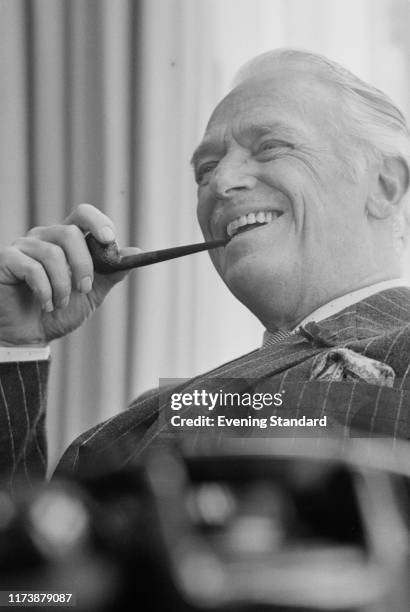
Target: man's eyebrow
(261,129)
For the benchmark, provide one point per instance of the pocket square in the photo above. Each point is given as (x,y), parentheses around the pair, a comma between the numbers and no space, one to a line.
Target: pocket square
(341,364)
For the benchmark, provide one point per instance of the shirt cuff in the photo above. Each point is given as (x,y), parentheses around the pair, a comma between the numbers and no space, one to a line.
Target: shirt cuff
(24,353)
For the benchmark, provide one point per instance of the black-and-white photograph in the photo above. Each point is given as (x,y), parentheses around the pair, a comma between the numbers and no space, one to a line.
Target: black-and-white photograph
(205,305)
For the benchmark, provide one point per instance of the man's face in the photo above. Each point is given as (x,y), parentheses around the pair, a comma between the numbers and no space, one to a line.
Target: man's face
(271,173)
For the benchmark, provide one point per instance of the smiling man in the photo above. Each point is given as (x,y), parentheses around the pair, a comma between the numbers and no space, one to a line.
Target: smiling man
(306,169)
(282,157)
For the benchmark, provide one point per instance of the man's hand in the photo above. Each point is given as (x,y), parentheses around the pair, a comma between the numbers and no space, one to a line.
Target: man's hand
(47,281)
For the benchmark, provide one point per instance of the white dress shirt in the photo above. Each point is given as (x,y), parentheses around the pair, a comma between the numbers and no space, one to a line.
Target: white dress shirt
(24,353)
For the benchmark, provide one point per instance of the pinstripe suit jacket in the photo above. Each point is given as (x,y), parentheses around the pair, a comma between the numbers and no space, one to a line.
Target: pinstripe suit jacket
(377,328)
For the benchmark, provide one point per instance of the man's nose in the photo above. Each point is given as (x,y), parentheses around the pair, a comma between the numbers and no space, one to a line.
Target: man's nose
(232,174)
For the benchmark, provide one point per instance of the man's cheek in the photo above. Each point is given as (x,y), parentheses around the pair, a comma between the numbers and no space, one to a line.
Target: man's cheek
(203,213)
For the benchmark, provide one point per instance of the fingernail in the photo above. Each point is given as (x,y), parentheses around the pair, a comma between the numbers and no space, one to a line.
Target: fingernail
(63,303)
(85,284)
(106,234)
(48,306)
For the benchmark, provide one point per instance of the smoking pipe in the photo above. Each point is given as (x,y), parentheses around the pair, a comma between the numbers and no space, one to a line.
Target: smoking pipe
(107,258)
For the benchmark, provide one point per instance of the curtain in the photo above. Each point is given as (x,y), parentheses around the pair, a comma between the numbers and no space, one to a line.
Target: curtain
(68,75)
(103,102)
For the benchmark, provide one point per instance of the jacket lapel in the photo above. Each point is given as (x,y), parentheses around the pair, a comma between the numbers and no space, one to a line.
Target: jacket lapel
(357,325)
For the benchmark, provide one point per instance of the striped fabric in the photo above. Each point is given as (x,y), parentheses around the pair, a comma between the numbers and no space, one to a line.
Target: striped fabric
(23,389)
(377,328)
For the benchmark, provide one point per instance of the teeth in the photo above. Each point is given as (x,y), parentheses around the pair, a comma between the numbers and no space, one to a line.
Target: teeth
(232,227)
(251,218)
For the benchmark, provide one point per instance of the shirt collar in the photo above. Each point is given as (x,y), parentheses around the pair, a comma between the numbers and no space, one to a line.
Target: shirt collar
(332,308)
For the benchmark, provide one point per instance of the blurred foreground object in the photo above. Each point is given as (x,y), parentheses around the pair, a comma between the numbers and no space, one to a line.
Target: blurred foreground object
(255,525)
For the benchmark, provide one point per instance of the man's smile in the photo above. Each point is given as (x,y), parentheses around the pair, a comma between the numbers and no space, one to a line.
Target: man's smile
(238,219)
(250,221)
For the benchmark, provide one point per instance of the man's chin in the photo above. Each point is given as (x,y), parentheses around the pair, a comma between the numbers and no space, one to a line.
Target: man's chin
(249,282)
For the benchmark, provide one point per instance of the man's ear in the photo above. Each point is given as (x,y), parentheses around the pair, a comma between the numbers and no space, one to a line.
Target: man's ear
(392,183)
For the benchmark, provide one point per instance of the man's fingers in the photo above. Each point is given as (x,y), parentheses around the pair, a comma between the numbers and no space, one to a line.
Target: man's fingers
(71,240)
(52,267)
(17,266)
(53,260)
(62,253)
(90,219)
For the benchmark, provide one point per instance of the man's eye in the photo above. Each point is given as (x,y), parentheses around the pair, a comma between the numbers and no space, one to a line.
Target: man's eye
(203,170)
(271,145)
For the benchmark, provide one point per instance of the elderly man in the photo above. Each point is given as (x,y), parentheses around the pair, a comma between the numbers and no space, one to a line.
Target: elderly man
(306,168)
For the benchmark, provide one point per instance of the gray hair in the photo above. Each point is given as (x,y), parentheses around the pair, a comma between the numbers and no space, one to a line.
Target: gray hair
(374,121)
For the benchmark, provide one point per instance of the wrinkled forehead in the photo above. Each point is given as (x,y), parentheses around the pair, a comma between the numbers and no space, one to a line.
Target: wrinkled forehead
(284,95)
